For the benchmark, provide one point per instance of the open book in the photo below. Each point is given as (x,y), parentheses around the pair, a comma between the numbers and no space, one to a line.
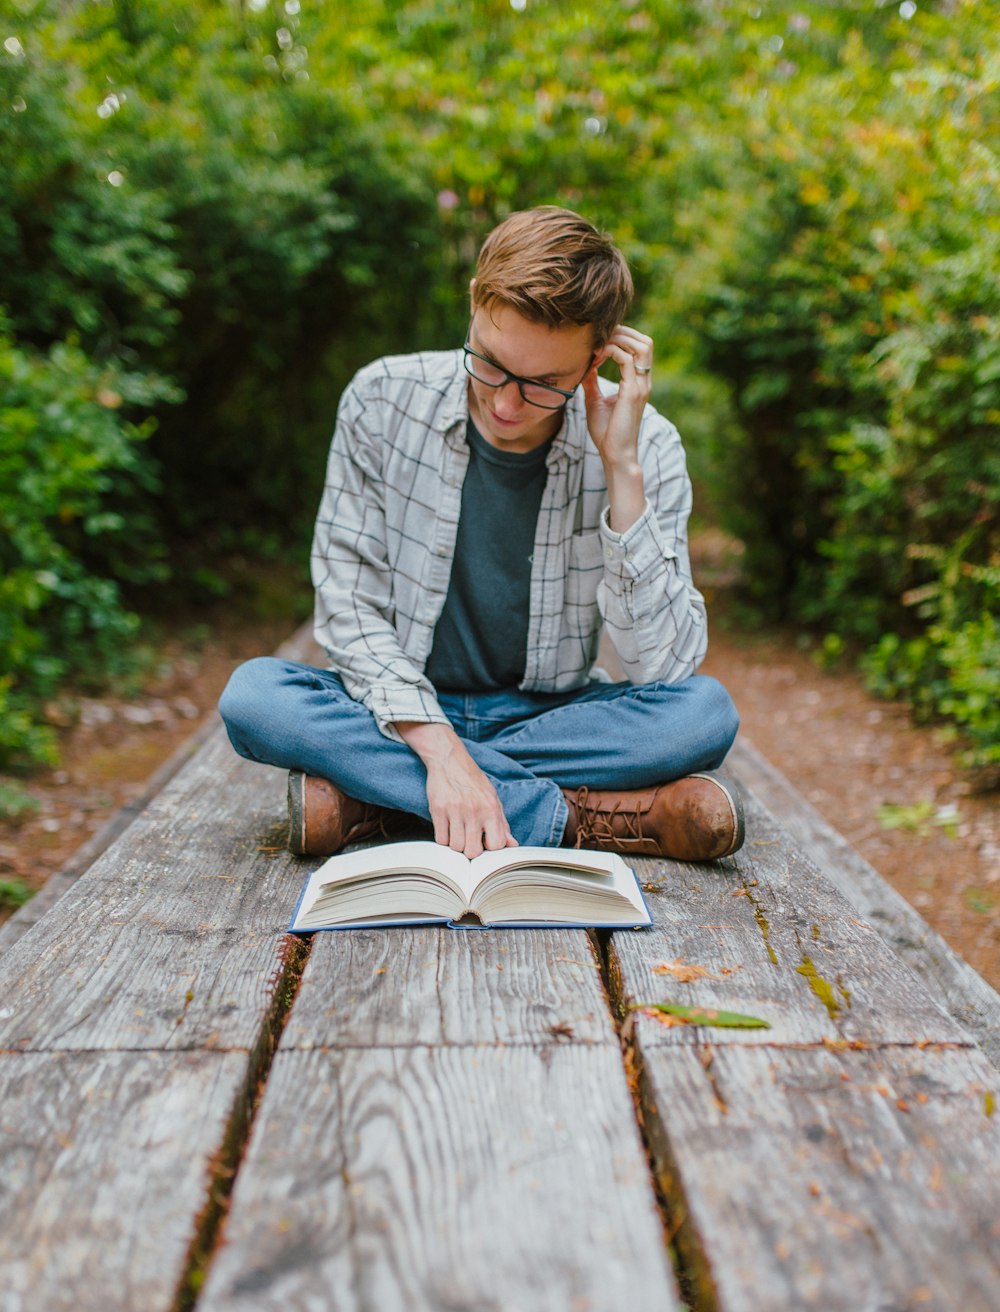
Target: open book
(414,883)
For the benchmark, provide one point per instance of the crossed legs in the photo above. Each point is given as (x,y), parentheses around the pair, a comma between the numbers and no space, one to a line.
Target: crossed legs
(532,746)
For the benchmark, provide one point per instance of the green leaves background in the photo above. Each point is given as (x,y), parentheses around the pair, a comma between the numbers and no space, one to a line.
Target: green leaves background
(217,212)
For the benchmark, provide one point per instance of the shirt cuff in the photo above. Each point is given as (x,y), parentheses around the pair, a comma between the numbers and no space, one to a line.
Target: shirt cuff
(637,551)
(403,703)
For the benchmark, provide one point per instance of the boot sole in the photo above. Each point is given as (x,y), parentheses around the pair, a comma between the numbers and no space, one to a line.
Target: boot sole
(736,811)
(297,812)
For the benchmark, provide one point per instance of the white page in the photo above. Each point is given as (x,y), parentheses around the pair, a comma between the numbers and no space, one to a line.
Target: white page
(366,863)
(568,857)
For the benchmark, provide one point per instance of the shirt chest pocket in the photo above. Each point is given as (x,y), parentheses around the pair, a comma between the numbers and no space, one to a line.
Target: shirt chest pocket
(585,568)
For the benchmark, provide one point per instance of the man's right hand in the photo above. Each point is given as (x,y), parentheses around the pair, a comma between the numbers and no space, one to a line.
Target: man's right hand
(464,805)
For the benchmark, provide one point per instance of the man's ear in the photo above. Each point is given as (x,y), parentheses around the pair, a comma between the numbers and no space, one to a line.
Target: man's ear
(472,296)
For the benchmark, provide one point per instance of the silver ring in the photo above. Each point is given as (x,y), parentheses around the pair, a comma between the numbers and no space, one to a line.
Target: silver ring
(641,369)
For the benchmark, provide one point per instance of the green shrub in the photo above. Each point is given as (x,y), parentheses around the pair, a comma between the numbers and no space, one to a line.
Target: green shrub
(68,535)
(971,657)
(181,197)
(14,893)
(847,289)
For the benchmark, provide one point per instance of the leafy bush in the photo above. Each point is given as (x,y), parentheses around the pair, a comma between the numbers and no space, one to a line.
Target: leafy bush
(69,535)
(251,200)
(184,216)
(184,199)
(971,657)
(848,290)
(14,893)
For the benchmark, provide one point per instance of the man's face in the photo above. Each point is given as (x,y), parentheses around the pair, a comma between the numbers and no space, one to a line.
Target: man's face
(559,356)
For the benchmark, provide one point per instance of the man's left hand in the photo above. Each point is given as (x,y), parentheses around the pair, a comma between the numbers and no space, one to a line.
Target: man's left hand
(614,420)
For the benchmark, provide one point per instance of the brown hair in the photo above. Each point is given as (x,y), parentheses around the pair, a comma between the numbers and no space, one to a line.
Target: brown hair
(553,267)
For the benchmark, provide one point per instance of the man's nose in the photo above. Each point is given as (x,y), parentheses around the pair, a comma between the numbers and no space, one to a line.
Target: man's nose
(509,399)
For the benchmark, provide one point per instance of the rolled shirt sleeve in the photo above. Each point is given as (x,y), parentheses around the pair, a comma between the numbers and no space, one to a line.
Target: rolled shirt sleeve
(653,614)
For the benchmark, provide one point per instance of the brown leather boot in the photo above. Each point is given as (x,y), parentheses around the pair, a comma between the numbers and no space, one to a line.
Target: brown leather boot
(697,818)
(322,819)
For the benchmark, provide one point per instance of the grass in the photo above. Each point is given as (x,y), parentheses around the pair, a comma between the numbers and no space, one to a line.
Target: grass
(14,893)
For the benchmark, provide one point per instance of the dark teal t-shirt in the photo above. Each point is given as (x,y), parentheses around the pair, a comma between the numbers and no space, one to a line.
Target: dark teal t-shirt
(481,639)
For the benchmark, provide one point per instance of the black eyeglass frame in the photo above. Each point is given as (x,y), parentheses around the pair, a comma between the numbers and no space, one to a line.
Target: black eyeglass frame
(508,377)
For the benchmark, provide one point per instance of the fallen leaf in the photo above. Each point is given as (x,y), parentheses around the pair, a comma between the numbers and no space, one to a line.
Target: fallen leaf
(662,1017)
(704,1016)
(844,1045)
(682,971)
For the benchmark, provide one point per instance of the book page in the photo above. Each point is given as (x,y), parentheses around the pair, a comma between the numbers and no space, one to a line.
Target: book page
(362,875)
(559,884)
(527,859)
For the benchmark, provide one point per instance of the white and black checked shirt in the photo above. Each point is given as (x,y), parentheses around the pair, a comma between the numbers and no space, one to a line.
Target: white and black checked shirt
(385,538)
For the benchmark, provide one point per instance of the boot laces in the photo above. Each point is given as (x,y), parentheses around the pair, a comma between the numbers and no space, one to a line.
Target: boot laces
(597,825)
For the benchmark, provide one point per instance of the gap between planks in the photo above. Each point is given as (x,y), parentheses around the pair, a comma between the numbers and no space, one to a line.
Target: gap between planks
(226,1162)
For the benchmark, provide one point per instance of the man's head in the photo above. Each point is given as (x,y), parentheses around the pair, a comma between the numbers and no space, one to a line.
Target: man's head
(553,267)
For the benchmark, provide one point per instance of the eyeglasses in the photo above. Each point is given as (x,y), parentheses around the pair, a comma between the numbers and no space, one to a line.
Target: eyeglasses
(540,394)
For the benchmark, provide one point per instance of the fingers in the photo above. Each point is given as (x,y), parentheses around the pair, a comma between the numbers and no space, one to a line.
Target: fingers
(632,352)
(473,835)
(465,809)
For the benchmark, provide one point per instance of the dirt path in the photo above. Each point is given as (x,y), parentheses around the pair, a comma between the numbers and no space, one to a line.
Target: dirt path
(890,788)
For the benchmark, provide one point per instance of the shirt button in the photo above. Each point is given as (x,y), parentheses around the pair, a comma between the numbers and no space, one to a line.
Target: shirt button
(609,552)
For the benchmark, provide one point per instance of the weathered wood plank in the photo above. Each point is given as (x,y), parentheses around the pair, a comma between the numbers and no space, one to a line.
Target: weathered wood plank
(836,1180)
(949,979)
(383,988)
(778,942)
(88,852)
(428,1178)
(172,937)
(104,1165)
(299,647)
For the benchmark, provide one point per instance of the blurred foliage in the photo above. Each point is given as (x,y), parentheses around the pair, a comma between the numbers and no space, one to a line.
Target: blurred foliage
(14,893)
(66,546)
(233,205)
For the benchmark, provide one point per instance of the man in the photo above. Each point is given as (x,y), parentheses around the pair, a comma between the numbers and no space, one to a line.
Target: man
(485,511)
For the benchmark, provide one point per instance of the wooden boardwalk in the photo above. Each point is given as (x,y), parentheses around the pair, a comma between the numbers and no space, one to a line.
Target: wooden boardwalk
(199,1111)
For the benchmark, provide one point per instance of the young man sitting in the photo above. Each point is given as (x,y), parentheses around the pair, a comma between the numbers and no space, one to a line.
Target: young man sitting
(485,512)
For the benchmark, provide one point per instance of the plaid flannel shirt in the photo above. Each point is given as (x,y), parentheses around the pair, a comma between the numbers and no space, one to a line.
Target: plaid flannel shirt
(386,529)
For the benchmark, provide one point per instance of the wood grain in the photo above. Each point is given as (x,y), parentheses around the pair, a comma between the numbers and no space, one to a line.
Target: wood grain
(950,980)
(172,938)
(776,941)
(836,1180)
(104,1164)
(489,1178)
(384,988)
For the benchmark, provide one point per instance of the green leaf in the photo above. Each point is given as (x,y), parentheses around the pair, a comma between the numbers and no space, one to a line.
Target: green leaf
(733,1020)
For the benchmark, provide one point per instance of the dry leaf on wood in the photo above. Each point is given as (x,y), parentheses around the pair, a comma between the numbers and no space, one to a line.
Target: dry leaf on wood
(676,1014)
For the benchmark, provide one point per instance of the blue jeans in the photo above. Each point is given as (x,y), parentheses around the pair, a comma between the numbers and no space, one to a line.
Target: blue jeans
(531,745)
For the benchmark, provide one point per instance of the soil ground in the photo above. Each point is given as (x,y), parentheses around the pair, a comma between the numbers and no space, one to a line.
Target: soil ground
(891,788)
